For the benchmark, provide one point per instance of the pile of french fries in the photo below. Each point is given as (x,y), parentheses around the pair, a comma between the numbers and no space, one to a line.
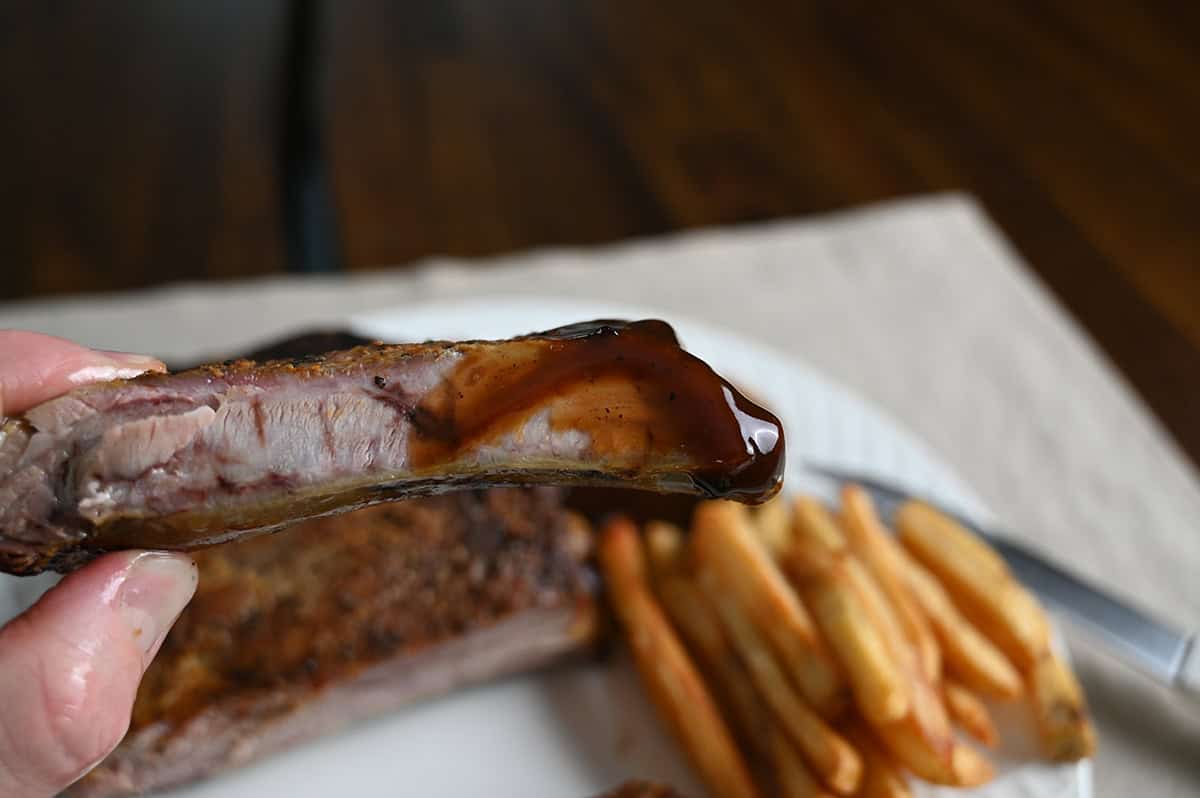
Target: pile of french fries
(802,652)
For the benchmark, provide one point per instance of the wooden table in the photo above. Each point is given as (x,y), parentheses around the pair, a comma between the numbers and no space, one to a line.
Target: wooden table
(138,143)
(149,143)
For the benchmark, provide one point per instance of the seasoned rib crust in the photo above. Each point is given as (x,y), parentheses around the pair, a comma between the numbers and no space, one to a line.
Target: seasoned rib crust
(291,636)
(177,461)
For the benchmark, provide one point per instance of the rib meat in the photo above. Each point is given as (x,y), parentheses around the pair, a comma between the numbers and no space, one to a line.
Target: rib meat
(188,459)
(292,636)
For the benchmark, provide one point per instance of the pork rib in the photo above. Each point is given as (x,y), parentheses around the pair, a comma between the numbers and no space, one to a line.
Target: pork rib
(183,460)
(293,636)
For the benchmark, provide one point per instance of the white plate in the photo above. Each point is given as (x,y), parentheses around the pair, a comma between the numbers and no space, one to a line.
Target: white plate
(575,731)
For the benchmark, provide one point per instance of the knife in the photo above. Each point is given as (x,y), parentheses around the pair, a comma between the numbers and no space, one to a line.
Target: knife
(1156,649)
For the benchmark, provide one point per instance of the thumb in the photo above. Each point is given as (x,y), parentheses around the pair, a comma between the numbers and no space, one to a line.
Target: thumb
(34,368)
(70,666)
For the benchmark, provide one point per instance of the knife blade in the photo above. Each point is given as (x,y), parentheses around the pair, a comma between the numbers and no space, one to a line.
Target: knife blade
(1155,648)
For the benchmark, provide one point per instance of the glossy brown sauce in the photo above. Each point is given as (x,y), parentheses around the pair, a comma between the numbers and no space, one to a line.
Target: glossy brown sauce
(628,385)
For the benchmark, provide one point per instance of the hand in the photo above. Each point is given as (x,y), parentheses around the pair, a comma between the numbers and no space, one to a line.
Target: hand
(70,666)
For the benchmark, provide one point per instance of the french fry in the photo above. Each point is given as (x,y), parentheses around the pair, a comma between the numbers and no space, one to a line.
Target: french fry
(934,758)
(883,614)
(929,712)
(773,524)
(923,741)
(928,526)
(882,778)
(818,566)
(1065,730)
(723,545)
(919,736)
(971,768)
(691,612)
(968,655)
(927,704)
(664,546)
(829,755)
(667,671)
(969,712)
(577,536)
(697,622)
(872,544)
(793,778)
(816,528)
(876,678)
(978,580)
(904,742)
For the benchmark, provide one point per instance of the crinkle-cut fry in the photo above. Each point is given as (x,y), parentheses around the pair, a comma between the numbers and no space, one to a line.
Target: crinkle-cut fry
(978,581)
(871,543)
(667,671)
(876,678)
(723,543)
(773,524)
(664,546)
(792,776)
(969,712)
(968,654)
(1064,727)
(882,777)
(830,756)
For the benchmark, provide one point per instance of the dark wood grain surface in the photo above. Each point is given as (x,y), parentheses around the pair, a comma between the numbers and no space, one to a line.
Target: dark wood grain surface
(497,126)
(142,141)
(138,143)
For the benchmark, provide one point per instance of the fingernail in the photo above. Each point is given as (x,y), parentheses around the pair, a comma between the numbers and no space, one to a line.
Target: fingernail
(115,366)
(156,589)
(131,360)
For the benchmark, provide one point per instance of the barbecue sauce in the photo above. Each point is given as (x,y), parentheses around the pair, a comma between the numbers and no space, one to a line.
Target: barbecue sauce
(630,387)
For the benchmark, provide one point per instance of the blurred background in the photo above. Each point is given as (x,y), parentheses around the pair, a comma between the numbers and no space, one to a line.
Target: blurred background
(153,142)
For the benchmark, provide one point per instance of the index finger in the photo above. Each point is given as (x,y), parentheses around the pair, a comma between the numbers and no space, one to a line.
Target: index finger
(36,367)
